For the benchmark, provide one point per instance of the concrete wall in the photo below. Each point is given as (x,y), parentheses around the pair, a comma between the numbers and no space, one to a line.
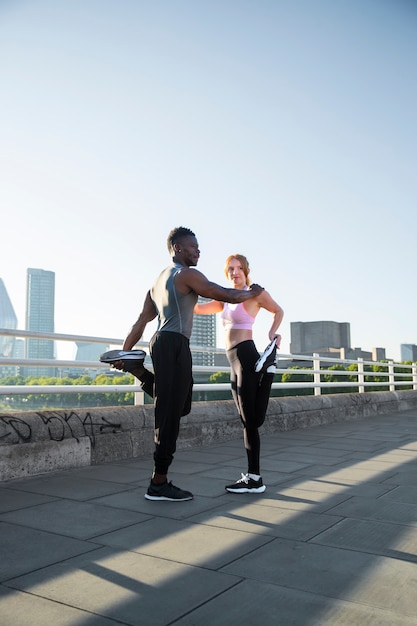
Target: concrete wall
(38,442)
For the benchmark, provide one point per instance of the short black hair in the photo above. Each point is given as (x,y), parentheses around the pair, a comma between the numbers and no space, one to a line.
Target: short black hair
(176,234)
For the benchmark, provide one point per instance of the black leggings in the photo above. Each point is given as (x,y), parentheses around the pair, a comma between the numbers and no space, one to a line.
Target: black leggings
(250,391)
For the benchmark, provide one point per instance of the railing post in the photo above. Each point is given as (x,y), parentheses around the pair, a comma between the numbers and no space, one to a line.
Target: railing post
(317,376)
(391,375)
(139,396)
(414,371)
(361,376)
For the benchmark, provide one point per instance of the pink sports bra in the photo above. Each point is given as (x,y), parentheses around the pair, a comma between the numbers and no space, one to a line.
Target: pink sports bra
(235,316)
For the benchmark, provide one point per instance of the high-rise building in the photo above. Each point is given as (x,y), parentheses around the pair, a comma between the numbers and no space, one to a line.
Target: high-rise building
(8,320)
(40,308)
(90,351)
(409,352)
(329,339)
(203,335)
(378,354)
(321,337)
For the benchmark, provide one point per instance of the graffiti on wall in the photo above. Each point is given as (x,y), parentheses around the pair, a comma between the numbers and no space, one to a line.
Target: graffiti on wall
(54,426)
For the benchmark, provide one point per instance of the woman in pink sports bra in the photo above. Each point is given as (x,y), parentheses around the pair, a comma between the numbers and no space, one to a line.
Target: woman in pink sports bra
(250,389)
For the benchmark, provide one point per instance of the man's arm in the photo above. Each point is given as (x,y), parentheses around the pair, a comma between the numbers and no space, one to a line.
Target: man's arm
(192,279)
(147,314)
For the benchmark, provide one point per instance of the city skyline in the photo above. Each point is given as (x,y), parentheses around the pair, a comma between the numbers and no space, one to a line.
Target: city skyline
(204,326)
(281,130)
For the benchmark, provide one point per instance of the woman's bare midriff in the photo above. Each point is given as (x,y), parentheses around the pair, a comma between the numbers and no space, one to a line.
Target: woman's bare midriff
(235,336)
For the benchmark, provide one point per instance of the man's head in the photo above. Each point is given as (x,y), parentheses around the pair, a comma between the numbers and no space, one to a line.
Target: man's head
(183,246)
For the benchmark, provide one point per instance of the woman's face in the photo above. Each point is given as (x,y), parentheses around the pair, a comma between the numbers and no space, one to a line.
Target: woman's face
(236,274)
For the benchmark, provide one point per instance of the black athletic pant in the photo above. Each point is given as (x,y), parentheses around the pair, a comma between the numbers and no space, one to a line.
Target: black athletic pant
(171,387)
(250,391)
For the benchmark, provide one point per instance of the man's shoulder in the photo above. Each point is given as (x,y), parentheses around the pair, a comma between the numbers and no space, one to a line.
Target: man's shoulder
(189,273)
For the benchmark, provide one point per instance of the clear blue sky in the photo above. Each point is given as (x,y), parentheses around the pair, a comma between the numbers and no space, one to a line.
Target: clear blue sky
(281,129)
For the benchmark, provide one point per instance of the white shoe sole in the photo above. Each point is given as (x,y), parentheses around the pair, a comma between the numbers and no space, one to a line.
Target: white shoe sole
(122,355)
(154,498)
(247,490)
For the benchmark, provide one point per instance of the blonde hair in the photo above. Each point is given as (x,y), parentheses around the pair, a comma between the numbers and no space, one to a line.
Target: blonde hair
(244,263)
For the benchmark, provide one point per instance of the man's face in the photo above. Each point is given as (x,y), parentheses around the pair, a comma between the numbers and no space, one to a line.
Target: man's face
(187,250)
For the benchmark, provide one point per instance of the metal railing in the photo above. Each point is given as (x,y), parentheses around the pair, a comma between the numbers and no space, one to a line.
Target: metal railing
(314,368)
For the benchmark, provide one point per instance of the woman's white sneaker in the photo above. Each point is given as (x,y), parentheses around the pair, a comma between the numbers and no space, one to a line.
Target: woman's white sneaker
(246,484)
(267,358)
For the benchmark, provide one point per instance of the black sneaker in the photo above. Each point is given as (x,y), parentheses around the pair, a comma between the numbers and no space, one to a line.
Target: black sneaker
(246,485)
(122,355)
(167,491)
(131,359)
(267,358)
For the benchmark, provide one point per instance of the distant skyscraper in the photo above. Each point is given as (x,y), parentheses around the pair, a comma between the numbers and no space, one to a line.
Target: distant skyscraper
(90,351)
(378,354)
(409,352)
(204,335)
(309,337)
(40,306)
(8,320)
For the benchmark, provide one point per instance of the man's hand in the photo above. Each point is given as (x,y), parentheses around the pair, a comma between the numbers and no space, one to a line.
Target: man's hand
(118,365)
(256,289)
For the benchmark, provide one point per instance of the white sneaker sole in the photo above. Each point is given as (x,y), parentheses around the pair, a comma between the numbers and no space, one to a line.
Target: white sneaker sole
(247,490)
(154,498)
(122,355)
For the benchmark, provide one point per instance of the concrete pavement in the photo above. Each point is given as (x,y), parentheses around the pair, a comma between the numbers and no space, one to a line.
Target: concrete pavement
(332,541)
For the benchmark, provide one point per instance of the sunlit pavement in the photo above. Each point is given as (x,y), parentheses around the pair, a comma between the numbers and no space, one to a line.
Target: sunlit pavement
(332,541)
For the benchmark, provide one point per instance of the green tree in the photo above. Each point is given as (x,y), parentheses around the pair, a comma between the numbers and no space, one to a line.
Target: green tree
(217,378)
(335,378)
(291,376)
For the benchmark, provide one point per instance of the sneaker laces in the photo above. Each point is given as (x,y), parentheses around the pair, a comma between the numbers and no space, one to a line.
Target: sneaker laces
(244,479)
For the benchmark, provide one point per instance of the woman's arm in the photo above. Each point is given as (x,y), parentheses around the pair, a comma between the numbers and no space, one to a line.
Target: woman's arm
(208,308)
(265,301)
